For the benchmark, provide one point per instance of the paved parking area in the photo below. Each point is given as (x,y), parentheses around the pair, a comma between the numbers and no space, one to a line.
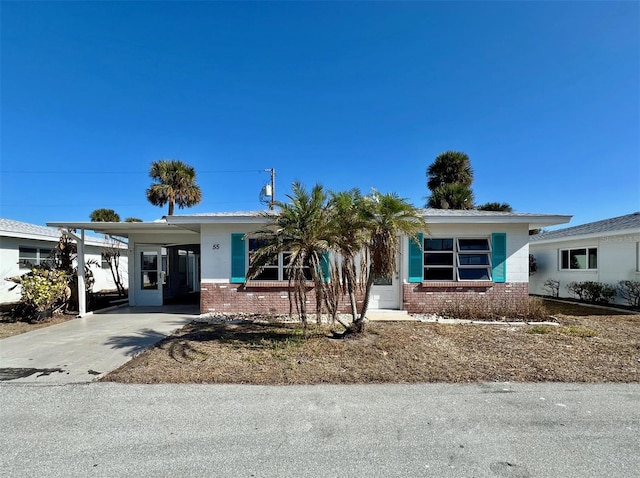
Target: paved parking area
(82,350)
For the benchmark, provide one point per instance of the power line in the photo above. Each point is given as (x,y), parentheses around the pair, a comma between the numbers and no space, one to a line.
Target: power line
(16,171)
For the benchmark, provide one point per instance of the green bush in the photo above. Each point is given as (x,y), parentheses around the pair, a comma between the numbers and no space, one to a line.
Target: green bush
(593,292)
(43,290)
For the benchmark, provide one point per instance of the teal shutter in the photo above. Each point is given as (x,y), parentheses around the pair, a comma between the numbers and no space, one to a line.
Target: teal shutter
(237,259)
(324,265)
(415,260)
(499,256)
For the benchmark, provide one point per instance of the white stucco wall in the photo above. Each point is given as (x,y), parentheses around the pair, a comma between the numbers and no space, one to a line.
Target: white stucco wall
(9,266)
(517,244)
(215,250)
(216,247)
(617,260)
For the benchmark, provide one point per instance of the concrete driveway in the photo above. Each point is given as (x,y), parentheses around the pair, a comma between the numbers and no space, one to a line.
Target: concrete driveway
(82,350)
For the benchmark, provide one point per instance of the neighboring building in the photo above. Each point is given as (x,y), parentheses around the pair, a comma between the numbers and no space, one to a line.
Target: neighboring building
(606,251)
(466,253)
(22,244)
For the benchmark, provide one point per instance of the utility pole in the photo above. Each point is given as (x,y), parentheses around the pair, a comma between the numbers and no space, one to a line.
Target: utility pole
(273,187)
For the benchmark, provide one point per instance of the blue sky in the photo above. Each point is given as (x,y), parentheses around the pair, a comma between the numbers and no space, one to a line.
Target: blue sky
(544,97)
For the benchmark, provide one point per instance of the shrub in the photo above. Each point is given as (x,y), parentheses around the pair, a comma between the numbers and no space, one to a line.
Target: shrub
(42,290)
(629,291)
(590,291)
(485,308)
(552,287)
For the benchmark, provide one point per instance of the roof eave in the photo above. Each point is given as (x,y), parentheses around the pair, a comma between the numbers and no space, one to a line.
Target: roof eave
(634,233)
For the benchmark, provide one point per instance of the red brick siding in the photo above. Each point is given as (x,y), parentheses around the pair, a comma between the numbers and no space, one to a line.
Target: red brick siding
(260,298)
(272,298)
(429,297)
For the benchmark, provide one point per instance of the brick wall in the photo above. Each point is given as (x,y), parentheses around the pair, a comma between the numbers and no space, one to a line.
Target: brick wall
(430,297)
(273,298)
(260,298)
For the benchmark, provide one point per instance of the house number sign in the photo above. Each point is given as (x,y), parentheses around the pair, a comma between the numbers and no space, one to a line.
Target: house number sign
(215,247)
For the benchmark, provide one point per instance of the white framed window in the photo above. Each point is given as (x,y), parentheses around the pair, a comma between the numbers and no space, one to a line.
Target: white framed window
(276,269)
(579,258)
(457,259)
(32,256)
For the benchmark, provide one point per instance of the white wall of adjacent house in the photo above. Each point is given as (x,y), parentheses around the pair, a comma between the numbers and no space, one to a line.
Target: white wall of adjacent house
(618,259)
(10,265)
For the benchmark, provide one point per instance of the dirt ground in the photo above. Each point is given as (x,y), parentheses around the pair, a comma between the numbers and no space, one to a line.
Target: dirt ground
(588,345)
(8,327)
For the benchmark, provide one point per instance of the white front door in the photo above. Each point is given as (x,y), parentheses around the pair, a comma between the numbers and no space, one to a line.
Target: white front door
(148,270)
(385,293)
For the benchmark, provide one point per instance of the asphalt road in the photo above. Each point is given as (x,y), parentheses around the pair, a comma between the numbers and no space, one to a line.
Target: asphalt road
(481,430)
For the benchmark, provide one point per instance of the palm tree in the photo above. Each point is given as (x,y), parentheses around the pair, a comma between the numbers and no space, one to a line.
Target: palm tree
(387,217)
(449,179)
(298,229)
(174,183)
(347,237)
(451,196)
(495,206)
(449,167)
(104,215)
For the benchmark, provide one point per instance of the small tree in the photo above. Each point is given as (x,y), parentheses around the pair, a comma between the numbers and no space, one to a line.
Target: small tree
(111,254)
(132,219)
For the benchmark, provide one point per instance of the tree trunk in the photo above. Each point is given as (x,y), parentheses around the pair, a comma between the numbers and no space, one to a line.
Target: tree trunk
(171,207)
(358,325)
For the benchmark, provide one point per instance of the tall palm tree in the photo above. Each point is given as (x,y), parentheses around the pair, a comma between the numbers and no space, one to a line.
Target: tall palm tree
(299,229)
(451,196)
(174,183)
(387,217)
(449,167)
(449,179)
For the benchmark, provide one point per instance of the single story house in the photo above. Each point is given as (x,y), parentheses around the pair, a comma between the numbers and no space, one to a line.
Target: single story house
(463,252)
(23,244)
(606,251)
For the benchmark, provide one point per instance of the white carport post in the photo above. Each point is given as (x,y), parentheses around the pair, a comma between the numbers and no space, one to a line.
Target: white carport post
(82,295)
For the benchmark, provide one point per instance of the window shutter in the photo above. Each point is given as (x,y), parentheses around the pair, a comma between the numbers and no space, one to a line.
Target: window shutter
(324,265)
(499,256)
(237,259)
(415,260)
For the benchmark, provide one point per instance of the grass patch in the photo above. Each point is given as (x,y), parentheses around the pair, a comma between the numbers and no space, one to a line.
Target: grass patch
(578,331)
(541,329)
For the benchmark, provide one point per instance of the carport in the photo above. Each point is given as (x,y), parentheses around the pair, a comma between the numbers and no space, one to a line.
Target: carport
(164,259)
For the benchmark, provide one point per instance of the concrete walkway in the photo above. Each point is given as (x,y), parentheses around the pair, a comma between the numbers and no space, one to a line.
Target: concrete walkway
(82,350)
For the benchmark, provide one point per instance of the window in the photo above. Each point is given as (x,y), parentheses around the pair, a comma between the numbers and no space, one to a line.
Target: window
(276,269)
(585,258)
(450,259)
(32,256)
